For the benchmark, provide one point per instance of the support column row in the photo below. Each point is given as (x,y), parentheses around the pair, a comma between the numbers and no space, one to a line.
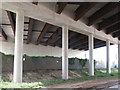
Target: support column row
(65,53)
(91,61)
(19,47)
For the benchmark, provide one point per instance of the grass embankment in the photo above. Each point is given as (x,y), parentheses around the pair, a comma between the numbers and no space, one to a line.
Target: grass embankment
(98,75)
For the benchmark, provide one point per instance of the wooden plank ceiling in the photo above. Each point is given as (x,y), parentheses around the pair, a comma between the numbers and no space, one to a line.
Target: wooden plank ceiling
(103,19)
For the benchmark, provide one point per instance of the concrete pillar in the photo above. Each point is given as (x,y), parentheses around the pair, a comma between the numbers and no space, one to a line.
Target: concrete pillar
(108,56)
(0,67)
(118,64)
(119,57)
(18,63)
(91,61)
(1,46)
(64,52)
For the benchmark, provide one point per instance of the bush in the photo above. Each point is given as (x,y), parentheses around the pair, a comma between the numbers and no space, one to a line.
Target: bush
(115,66)
(95,62)
(83,62)
(72,61)
(44,56)
(111,74)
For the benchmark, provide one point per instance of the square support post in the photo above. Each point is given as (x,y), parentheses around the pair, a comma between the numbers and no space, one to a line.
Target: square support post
(108,56)
(18,53)
(0,66)
(1,47)
(64,52)
(91,61)
(119,58)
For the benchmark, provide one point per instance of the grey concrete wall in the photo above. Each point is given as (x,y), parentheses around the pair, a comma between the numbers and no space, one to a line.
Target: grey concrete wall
(31,63)
(41,63)
(7,63)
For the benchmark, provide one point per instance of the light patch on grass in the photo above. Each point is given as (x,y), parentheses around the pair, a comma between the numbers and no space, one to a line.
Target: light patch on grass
(23,85)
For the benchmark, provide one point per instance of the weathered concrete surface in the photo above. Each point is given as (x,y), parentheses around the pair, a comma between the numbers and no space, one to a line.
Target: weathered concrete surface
(45,14)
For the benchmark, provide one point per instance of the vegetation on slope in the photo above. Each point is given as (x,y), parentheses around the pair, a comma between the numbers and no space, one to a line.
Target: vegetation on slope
(98,75)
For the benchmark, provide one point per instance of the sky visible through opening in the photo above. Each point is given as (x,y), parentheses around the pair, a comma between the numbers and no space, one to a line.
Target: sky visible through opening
(99,55)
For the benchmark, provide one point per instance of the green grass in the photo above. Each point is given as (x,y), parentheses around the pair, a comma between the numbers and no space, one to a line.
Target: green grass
(41,84)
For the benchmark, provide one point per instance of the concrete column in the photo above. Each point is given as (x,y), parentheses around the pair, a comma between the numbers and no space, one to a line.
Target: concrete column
(91,61)
(1,46)
(18,63)
(64,52)
(119,57)
(0,67)
(108,56)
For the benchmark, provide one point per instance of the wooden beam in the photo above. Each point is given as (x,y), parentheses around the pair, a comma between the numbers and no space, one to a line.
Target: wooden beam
(51,32)
(24,39)
(44,31)
(4,24)
(109,22)
(26,22)
(98,43)
(83,9)
(84,43)
(58,42)
(76,3)
(78,43)
(97,16)
(25,29)
(46,37)
(36,30)
(54,36)
(25,35)
(76,40)
(113,29)
(61,6)
(39,31)
(36,3)
(30,26)
(71,34)
(97,46)
(3,34)
(12,20)
(116,34)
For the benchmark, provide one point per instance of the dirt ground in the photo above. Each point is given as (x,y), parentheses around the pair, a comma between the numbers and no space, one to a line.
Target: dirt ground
(36,76)
(98,83)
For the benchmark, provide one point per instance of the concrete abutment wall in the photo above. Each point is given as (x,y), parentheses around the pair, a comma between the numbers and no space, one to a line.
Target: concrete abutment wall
(36,63)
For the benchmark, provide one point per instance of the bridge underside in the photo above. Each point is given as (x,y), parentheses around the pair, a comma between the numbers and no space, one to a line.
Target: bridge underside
(68,25)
